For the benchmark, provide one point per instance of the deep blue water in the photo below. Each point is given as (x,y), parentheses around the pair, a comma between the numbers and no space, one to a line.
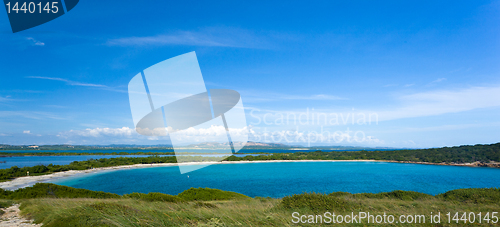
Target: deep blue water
(23,161)
(281,179)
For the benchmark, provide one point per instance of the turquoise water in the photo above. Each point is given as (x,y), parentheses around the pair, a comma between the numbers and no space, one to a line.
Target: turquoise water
(22,161)
(281,179)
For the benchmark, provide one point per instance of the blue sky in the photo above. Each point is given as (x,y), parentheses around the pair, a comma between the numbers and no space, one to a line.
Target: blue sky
(428,70)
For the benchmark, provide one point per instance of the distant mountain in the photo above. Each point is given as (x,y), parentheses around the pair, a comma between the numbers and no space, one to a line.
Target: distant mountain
(208,145)
(248,145)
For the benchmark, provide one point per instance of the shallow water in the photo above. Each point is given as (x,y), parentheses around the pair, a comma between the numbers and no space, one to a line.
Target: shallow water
(22,161)
(281,179)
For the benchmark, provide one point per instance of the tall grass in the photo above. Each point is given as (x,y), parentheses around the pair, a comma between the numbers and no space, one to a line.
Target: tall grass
(61,206)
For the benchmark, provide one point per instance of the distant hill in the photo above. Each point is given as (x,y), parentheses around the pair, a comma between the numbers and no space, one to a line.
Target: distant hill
(213,145)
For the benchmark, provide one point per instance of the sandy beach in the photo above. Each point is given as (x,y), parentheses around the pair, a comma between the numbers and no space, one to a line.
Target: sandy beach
(22,182)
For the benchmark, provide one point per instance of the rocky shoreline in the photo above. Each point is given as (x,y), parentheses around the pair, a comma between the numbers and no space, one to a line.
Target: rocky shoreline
(473,164)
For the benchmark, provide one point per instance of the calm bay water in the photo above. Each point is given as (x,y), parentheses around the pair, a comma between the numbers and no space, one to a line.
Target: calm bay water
(281,179)
(22,161)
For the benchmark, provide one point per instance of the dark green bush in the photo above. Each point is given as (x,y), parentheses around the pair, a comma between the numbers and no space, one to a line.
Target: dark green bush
(401,195)
(472,195)
(46,190)
(154,196)
(208,194)
(4,204)
(340,194)
(205,205)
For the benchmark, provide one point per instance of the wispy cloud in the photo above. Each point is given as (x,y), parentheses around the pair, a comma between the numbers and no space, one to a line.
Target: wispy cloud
(447,127)
(311,97)
(69,82)
(219,36)
(438,80)
(6,99)
(261,96)
(26,132)
(98,132)
(443,101)
(422,104)
(37,115)
(35,42)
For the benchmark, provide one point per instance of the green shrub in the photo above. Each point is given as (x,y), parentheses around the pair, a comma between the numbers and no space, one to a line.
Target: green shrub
(5,194)
(205,205)
(154,196)
(5,203)
(208,194)
(339,194)
(317,202)
(401,195)
(46,190)
(472,195)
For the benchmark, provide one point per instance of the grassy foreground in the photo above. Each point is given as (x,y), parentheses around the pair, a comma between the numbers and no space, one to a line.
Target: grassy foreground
(55,205)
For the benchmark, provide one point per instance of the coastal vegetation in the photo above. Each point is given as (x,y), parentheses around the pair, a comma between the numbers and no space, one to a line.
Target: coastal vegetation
(55,205)
(461,154)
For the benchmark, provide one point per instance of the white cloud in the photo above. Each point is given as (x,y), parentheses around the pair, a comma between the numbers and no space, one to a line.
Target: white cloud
(5,99)
(420,104)
(27,132)
(212,133)
(35,42)
(263,96)
(442,102)
(214,36)
(438,80)
(69,82)
(31,115)
(311,97)
(98,132)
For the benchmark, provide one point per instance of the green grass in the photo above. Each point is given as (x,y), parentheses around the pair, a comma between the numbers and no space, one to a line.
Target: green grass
(472,195)
(44,190)
(248,212)
(62,206)
(208,194)
(154,196)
